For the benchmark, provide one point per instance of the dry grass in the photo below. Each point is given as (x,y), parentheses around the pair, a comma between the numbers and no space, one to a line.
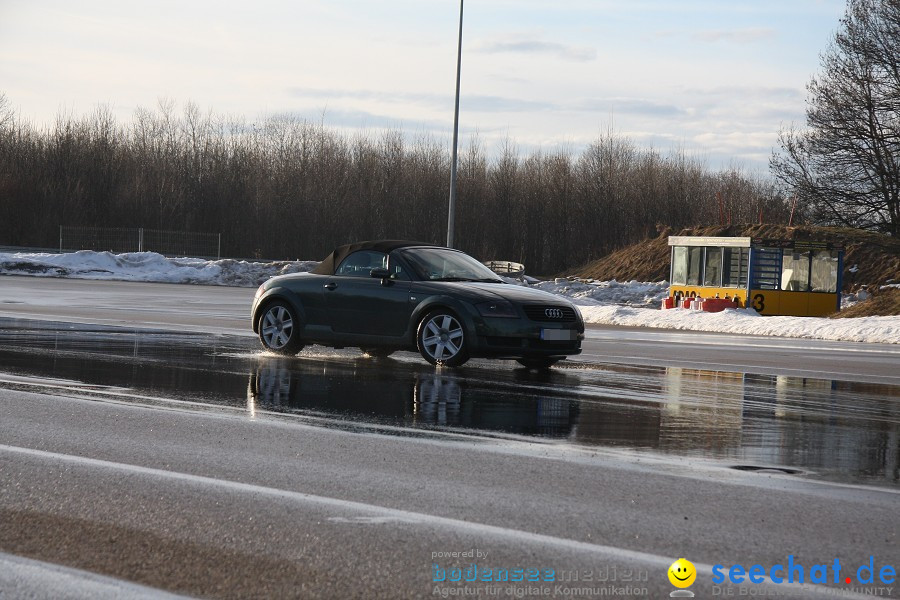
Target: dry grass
(882,303)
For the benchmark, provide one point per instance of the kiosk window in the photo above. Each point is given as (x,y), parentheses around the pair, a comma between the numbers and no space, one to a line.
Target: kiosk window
(695,265)
(712,274)
(679,265)
(687,265)
(824,273)
(795,271)
(734,267)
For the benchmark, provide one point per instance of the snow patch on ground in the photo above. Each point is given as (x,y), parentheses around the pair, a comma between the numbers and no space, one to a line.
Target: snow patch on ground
(628,293)
(630,303)
(148,266)
(748,322)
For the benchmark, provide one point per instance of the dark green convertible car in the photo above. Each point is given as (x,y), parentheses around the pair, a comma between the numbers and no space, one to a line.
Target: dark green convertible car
(388,295)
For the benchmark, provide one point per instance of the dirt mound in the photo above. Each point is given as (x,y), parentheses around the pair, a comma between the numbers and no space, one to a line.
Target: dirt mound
(870,259)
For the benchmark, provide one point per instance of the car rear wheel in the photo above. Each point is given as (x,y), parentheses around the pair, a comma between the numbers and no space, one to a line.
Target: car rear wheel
(539,364)
(441,339)
(279,329)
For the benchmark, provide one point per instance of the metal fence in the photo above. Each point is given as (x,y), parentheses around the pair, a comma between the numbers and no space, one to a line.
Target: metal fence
(121,239)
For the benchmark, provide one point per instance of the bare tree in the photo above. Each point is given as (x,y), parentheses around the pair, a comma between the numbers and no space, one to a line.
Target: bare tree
(7,116)
(845,167)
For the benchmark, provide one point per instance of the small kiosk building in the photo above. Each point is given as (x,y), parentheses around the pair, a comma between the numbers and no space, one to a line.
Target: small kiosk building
(775,277)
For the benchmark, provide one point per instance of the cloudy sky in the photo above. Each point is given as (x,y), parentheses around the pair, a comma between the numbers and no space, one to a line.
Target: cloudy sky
(716,77)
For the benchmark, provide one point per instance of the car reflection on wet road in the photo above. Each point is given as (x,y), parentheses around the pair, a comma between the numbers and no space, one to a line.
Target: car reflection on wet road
(834,430)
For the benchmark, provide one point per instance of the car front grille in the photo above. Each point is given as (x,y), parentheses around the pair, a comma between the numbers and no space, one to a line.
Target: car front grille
(547,313)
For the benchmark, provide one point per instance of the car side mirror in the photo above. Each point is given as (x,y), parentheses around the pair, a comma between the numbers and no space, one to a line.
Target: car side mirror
(383,274)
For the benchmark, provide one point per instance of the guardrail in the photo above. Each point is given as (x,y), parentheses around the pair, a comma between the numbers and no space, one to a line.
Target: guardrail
(506,268)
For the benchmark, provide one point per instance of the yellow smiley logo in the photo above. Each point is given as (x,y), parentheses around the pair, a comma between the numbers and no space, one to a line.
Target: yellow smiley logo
(682,573)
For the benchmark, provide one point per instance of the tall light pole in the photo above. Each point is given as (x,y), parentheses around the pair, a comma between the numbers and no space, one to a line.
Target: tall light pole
(451,211)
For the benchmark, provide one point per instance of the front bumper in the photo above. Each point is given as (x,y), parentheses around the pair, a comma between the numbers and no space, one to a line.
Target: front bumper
(522,337)
(510,347)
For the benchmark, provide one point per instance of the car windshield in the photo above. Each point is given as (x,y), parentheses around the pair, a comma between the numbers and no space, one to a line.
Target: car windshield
(438,264)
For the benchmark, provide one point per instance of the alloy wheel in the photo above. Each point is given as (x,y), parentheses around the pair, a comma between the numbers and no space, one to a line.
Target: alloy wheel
(277,327)
(442,337)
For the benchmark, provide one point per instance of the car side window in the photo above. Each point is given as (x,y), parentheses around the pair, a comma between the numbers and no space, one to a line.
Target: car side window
(397,271)
(360,264)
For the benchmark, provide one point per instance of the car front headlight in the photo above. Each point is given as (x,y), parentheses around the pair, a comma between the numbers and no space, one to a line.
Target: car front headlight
(497,308)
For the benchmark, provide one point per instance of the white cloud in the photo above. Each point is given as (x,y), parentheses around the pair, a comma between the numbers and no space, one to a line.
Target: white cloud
(544,74)
(526,46)
(739,36)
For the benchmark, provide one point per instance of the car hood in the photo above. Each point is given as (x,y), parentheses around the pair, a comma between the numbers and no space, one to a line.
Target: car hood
(487,291)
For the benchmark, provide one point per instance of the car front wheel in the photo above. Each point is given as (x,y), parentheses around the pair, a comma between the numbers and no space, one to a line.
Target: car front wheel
(279,329)
(441,339)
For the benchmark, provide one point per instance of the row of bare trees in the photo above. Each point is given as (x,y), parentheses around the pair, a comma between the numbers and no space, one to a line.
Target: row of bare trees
(290,188)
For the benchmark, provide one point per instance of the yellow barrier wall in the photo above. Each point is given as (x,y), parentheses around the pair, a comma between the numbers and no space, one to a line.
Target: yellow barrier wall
(710,292)
(769,302)
(796,304)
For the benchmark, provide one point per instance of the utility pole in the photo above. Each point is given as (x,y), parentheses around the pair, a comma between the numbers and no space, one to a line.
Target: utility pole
(451,211)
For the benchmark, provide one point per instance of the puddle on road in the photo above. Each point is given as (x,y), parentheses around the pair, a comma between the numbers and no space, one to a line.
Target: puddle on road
(769,424)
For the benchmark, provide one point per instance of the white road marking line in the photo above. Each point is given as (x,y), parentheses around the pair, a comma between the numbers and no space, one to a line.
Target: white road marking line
(496,442)
(706,338)
(21,575)
(648,361)
(383,515)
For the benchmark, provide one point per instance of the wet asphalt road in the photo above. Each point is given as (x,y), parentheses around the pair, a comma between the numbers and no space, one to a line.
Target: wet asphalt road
(193,463)
(225,310)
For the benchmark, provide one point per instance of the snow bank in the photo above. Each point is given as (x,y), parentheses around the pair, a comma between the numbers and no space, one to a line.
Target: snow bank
(629,293)
(631,303)
(636,304)
(748,322)
(148,266)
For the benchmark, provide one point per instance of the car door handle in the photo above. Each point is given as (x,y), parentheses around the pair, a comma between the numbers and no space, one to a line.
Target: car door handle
(330,286)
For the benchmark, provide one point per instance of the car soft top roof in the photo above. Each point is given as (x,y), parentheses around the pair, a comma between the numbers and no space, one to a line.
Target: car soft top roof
(333,260)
